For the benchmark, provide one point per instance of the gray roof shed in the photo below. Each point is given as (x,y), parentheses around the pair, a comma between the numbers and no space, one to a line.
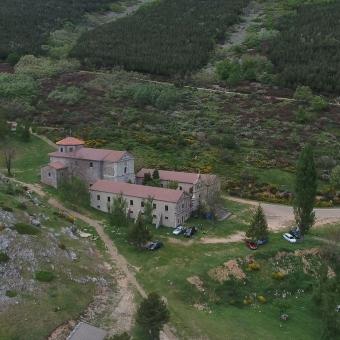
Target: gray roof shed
(84,331)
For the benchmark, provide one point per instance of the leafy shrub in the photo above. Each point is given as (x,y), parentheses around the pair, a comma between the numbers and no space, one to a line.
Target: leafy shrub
(43,67)
(26,229)
(44,276)
(279,276)
(161,97)
(318,104)
(75,191)
(11,293)
(303,115)
(247,300)
(3,257)
(123,336)
(69,95)
(303,93)
(17,86)
(62,246)
(22,206)
(252,68)
(261,299)
(6,208)
(254,266)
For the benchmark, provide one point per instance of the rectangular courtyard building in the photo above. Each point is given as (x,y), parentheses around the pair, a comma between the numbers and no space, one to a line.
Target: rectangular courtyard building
(201,187)
(171,207)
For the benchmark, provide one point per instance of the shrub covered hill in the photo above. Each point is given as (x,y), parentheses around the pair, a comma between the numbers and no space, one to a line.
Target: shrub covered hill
(25,25)
(164,37)
(307,50)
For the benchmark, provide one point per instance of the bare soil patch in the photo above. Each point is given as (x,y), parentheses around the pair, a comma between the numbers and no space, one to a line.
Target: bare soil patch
(229,269)
(197,282)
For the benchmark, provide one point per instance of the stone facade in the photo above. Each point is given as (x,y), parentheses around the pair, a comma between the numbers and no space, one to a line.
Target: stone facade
(199,187)
(88,164)
(171,208)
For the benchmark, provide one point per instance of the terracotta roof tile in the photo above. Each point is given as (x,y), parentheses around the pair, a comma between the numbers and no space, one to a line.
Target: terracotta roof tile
(70,141)
(91,154)
(178,176)
(135,190)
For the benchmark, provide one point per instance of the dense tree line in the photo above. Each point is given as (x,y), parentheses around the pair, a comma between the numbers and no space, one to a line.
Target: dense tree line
(25,24)
(307,50)
(166,37)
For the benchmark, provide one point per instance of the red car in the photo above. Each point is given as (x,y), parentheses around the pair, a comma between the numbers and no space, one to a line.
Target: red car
(251,245)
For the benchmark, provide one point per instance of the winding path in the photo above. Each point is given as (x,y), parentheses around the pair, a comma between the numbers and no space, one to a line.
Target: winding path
(127,277)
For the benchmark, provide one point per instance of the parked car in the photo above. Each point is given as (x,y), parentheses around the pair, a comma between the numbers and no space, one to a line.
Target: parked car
(154,245)
(179,230)
(190,232)
(262,242)
(296,232)
(251,244)
(289,237)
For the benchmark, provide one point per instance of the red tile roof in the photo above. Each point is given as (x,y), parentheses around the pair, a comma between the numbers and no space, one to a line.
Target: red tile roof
(135,190)
(57,165)
(70,141)
(181,177)
(92,154)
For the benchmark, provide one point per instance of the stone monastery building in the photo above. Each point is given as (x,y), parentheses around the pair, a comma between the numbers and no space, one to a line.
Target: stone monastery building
(111,173)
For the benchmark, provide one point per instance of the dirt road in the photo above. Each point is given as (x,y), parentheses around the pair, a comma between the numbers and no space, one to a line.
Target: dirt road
(281,216)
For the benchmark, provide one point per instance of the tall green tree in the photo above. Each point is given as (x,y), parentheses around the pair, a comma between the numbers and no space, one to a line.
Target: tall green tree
(139,234)
(258,229)
(148,212)
(305,190)
(3,128)
(152,315)
(118,212)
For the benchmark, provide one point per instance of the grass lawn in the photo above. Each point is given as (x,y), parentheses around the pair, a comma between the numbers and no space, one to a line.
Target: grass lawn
(29,158)
(166,272)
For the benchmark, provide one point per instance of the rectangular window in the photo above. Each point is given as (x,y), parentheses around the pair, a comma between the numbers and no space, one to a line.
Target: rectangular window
(98,197)
(180,188)
(125,170)
(166,217)
(131,202)
(98,206)
(71,149)
(154,206)
(91,164)
(142,204)
(166,208)
(109,199)
(49,174)
(183,206)
(61,149)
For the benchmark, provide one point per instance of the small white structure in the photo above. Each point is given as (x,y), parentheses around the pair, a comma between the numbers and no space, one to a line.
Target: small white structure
(84,331)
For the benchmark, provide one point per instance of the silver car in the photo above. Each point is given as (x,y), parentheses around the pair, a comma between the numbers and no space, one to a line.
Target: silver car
(289,237)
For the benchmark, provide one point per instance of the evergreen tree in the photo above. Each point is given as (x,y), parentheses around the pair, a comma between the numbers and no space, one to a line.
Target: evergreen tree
(155,175)
(258,228)
(305,190)
(139,234)
(152,315)
(3,127)
(147,178)
(118,212)
(148,212)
